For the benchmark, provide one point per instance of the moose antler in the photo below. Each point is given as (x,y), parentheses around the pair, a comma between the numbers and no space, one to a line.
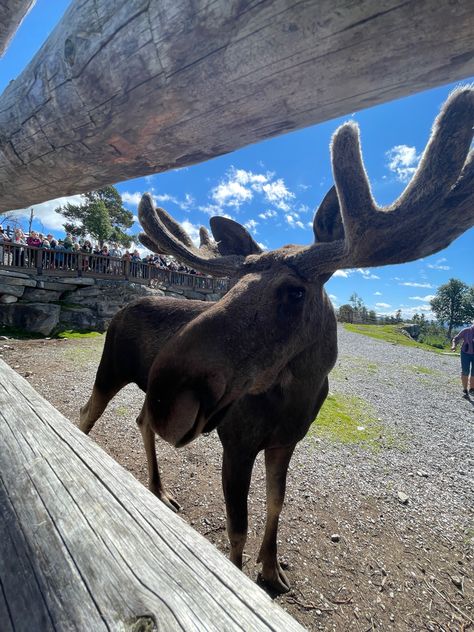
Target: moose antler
(222,257)
(350,229)
(436,207)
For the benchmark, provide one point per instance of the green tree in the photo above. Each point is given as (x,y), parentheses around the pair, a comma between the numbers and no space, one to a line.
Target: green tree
(102,216)
(346,313)
(356,301)
(453,304)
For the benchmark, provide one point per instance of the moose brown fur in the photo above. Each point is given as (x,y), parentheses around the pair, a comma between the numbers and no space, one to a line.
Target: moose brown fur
(255,364)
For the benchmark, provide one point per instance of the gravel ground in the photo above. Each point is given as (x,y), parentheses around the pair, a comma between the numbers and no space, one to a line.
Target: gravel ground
(403,513)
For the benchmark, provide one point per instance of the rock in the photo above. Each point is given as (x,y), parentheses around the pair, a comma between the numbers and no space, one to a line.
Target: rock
(403,498)
(457,581)
(40,295)
(8,298)
(174,295)
(12,290)
(52,285)
(78,281)
(86,292)
(413,331)
(335,537)
(41,318)
(19,275)
(78,318)
(20,281)
(212,297)
(422,473)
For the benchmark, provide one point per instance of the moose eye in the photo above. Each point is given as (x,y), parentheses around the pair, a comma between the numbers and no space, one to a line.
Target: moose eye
(296,293)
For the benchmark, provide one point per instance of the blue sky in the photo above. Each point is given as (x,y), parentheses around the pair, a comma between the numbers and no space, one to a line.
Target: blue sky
(274,186)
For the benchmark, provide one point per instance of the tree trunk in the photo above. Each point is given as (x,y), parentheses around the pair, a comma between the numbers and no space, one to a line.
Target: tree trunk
(126,88)
(12,13)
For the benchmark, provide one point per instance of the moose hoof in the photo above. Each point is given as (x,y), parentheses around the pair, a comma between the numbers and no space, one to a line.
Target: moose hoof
(275,578)
(168,500)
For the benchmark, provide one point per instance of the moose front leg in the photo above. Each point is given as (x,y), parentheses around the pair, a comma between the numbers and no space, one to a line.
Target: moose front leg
(276,466)
(154,480)
(236,475)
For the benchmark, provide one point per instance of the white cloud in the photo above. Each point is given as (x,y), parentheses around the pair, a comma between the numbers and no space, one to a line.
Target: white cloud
(277,193)
(251,225)
(377,293)
(231,193)
(414,284)
(45,212)
(409,312)
(403,161)
(382,305)
(293,221)
(367,274)
(435,266)
(133,199)
(342,273)
(428,297)
(192,230)
(268,214)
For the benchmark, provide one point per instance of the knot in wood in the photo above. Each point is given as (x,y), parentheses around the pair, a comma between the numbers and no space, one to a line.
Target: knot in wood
(142,624)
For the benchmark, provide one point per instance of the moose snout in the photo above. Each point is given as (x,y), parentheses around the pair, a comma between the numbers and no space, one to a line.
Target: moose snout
(179,407)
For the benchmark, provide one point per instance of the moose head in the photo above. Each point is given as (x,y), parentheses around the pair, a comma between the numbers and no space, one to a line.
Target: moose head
(277,307)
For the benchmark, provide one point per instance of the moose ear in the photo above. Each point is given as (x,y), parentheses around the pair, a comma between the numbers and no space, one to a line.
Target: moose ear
(232,238)
(327,224)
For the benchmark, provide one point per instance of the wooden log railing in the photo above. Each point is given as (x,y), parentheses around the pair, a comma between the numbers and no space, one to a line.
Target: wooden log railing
(71,263)
(85,547)
(124,89)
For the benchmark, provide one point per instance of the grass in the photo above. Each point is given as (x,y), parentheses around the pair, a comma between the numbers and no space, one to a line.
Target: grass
(422,369)
(350,420)
(71,334)
(391,334)
(22,334)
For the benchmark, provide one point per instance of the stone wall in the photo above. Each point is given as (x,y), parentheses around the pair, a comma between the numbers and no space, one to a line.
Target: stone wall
(44,305)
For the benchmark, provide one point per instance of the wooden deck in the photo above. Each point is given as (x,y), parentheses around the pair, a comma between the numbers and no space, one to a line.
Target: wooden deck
(84,546)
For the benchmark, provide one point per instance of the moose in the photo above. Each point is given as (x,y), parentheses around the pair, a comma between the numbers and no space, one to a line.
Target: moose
(255,364)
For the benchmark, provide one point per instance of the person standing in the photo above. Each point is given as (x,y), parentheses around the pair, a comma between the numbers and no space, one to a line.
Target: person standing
(467,358)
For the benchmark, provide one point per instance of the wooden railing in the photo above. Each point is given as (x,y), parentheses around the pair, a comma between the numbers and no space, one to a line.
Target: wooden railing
(71,263)
(85,547)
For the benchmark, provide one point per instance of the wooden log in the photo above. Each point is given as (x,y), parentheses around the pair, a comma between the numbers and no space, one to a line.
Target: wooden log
(84,546)
(126,88)
(12,13)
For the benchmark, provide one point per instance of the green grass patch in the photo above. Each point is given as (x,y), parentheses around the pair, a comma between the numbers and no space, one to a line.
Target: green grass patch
(422,369)
(391,334)
(70,333)
(350,420)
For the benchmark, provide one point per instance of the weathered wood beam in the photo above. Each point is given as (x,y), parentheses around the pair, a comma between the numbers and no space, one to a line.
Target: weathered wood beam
(126,88)
(12,13)
(84,546)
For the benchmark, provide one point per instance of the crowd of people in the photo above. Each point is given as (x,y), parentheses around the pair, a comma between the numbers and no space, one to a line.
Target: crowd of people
(58,254)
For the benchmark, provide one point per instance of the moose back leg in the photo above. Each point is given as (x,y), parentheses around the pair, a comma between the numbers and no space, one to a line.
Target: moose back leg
(236,475)
(154,480)
(95,406)
(276,466)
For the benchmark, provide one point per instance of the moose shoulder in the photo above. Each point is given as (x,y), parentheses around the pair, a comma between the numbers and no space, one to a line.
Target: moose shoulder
(255,364)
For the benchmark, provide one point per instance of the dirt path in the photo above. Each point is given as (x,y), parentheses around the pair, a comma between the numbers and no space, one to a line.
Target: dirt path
(392,566)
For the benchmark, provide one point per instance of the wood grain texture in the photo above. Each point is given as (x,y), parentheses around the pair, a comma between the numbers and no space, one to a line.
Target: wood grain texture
(12,13)
(84,546)
(126,88)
